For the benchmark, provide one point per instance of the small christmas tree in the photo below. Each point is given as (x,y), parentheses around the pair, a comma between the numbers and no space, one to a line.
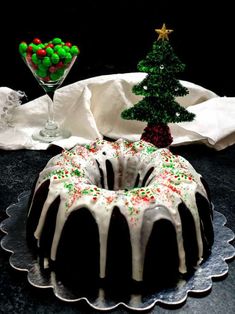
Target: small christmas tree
(159,88)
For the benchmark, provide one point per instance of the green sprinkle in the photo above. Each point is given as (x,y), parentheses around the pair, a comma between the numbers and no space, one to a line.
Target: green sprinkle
(76,172)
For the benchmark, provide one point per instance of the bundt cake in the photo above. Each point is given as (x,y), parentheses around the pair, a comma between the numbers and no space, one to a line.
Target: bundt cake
(113,214)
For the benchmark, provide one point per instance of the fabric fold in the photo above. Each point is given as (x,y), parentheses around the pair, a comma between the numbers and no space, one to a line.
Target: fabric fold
(92,108)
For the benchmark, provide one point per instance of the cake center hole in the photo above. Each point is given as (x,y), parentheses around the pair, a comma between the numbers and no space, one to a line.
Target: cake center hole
(126,178)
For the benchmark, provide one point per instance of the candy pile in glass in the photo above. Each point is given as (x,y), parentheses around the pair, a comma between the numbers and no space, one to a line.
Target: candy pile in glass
(49,61)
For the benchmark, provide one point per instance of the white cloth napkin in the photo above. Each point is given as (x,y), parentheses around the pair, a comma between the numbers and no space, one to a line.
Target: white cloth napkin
(92,108)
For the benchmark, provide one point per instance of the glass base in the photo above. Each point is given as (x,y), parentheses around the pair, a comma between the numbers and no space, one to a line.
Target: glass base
(46,137)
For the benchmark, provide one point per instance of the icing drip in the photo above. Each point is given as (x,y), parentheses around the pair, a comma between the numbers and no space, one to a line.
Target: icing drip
(146,184)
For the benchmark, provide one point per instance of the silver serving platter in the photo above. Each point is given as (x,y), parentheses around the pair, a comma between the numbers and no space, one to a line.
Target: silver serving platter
(21,259)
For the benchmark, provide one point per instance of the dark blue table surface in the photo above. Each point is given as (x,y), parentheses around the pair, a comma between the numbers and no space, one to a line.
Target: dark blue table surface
(18,170)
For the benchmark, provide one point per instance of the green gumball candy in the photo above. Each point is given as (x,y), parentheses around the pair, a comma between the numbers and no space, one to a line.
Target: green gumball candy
(61,52)
(35,47)
(42,67)
(46,62)
(56,41)
(68,58)
(74,50)
(55,76)
(66,48)
(57,47)
(41,73)
(41,46)
(35,59)
(60,71)
(49,51)
(55,58)
(23,47)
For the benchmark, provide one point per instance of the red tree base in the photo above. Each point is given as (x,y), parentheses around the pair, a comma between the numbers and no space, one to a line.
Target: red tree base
(158,134)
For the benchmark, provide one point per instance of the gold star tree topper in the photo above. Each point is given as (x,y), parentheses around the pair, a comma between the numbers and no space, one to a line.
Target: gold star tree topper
(163,32)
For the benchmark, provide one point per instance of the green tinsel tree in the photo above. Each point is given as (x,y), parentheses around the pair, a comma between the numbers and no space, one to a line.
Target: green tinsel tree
(159,88)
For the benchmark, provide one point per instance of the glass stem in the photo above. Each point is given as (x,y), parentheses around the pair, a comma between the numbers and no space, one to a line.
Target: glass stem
(51,129)
(51,124)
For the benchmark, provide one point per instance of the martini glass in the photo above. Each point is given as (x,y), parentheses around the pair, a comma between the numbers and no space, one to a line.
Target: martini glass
(49,63)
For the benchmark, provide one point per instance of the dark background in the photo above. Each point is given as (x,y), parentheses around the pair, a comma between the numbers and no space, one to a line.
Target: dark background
(114,35)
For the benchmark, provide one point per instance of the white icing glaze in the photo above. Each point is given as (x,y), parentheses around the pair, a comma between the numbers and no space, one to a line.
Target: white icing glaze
(75,177)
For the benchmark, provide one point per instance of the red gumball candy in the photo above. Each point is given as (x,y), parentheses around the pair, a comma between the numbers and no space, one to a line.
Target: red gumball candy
(41,53)
(34,66)
(59,65)
(28,57)
(68,44)
(37,41)
(52,69)
(46,79)
(30,49)
(49,46)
